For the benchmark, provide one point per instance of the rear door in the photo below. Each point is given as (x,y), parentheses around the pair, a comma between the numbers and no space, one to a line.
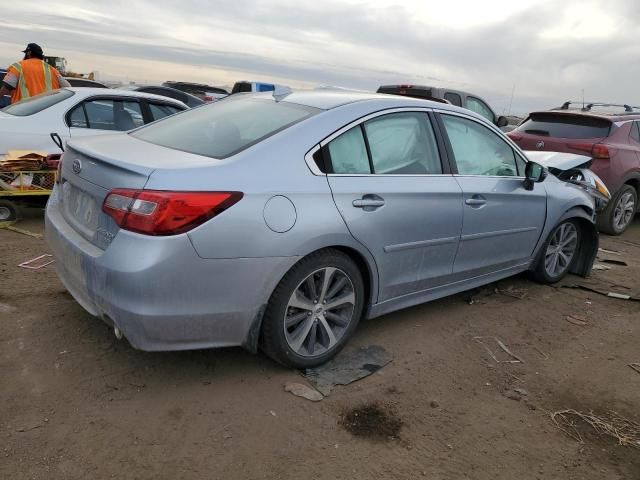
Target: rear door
(502,221)
(397,199)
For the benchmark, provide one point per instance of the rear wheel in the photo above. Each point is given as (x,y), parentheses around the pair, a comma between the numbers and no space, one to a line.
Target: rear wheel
(8,211)
(559,252)
(619,212)
(313,310)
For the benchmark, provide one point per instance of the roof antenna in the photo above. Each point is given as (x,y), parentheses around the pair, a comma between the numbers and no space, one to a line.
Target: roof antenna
(583,98)
(280,92)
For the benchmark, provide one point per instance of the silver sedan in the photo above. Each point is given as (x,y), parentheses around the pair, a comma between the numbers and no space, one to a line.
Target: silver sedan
(279,221)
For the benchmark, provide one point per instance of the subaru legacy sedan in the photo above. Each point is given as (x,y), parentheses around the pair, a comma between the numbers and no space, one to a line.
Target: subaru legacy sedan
(279,221)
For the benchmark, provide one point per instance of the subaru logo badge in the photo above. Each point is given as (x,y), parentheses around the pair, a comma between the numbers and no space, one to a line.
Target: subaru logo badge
(77,166)
(540,144)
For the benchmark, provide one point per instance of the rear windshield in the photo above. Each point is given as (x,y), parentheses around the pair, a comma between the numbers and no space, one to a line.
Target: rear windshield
(224,128)
(565,126)
(36,104)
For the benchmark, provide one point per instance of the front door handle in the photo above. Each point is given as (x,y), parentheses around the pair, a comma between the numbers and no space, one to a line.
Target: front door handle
(476,201)
(369,202)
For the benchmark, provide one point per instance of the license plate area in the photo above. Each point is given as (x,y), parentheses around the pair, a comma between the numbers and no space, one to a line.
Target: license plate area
(80,209)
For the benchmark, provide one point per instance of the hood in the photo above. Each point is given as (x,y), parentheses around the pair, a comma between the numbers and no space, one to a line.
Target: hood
(557,160)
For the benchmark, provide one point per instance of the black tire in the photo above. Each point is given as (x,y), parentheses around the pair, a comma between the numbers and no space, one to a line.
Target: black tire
(540,273)
(606,219)
(273,339)
(9,212)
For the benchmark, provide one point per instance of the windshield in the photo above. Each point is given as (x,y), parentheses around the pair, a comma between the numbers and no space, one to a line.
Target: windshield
(224,128)
(565,126)
(36,104)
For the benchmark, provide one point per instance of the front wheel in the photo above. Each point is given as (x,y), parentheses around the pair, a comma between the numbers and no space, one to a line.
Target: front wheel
(559,252)
(617,216)
(313,310)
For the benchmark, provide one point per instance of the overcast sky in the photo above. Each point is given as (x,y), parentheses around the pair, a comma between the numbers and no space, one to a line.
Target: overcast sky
(545,51)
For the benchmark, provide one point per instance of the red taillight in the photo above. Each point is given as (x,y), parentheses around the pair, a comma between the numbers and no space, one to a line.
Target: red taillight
(602,152)
(514,136)
(208,98)
(159,212)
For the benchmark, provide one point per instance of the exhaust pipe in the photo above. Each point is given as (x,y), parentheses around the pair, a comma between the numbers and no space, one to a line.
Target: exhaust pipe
(118,333)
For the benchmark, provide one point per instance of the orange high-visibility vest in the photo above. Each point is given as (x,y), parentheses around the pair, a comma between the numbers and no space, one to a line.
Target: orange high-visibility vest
(34,77)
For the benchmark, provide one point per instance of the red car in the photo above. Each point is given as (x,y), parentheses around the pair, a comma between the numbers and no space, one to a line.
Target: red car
(611,138)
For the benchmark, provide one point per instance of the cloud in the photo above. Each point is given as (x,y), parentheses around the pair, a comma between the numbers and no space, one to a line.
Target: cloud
(548,50)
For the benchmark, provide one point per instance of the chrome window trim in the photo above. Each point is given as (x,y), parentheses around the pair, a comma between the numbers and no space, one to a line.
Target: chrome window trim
(316,171)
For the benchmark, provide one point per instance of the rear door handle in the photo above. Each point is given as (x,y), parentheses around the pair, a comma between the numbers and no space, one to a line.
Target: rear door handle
(369,202)
(476,201)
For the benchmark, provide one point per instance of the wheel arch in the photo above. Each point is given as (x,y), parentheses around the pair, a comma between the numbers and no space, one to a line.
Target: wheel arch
(367,267)
(588,248)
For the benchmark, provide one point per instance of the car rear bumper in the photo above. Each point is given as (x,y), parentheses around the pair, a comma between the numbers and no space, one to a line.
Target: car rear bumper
(159,293)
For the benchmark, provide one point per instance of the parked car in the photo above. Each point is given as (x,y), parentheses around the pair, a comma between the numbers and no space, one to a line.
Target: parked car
(244,87)
(84,82)
(202,91)
(458,98)
(609,135)
(356,205)
(75,112)
(190,100)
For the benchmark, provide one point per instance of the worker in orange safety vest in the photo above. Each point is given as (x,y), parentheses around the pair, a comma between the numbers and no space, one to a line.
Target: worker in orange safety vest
(32,76)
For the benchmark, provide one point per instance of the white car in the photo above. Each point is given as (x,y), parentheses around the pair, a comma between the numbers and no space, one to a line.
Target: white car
(76,112)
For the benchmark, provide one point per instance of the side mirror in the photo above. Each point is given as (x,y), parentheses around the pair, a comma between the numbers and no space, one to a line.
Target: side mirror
(534,173)
(502,121)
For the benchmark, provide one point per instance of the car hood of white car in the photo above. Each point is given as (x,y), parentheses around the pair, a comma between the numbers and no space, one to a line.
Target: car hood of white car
(558,160)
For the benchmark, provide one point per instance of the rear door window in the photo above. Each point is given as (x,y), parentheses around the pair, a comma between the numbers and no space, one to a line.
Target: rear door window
(454,98)
(107,114)
(403,144)
(565,126)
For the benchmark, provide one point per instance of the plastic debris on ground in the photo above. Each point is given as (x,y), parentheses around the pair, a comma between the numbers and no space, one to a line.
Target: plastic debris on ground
(348,367)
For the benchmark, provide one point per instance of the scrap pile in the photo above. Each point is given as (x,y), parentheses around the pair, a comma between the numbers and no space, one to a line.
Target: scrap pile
(18,170)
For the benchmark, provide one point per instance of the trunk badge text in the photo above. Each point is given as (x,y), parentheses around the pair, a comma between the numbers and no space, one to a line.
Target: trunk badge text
(77,166)
(540,144)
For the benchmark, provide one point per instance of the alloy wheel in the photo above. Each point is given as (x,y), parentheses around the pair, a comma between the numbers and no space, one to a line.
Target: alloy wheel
(319,312)
(624,211)
(561,250)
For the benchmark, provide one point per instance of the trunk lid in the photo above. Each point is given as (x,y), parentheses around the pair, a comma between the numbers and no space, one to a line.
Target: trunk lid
(94,166)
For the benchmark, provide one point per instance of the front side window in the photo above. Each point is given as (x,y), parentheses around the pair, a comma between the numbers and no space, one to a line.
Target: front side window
(403,143)
(36,104)
(107,114)
(225,128)
(481,108)
(477,150)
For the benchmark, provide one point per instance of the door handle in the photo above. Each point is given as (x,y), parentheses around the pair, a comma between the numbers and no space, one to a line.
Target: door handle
(369,202)
(476,201)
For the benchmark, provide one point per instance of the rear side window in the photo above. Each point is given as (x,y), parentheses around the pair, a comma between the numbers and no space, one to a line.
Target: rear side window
(225,128)
(565,126)
(159,110)
(635,131)
(454,98)
(402,143)
(36,104)
(394,144)
(107,114)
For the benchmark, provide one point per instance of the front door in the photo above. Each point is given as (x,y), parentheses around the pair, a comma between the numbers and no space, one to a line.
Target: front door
(388,183)
(502,221)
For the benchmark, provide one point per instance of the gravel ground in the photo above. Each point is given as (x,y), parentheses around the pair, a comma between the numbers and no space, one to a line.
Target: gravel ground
(77,404)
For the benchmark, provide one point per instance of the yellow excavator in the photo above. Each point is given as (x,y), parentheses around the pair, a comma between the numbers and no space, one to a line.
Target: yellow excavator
(60,64)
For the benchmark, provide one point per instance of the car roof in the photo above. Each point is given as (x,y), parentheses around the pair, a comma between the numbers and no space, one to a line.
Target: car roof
(104,92)
(327,99)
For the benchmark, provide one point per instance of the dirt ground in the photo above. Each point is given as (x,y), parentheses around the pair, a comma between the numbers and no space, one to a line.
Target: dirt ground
(77,404)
